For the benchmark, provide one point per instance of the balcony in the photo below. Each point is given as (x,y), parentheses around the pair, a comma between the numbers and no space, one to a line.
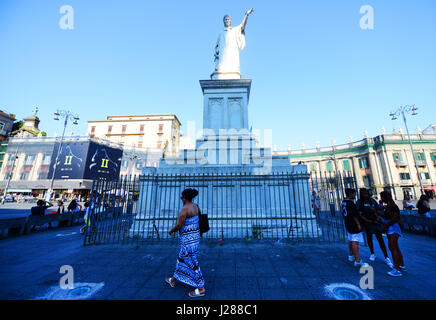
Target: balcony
(421,163)
(400,163)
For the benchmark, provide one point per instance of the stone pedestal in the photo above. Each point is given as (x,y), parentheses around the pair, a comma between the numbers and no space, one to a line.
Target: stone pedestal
(228,167)
(225,104)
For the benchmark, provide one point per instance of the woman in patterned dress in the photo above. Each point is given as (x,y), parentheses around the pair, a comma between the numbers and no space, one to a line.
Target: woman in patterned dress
(187,267)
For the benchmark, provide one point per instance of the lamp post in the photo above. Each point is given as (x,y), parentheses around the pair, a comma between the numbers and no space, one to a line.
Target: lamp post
(67,115)
(402,110)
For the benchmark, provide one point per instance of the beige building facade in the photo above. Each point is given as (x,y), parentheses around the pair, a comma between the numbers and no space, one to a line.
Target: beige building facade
(148,132)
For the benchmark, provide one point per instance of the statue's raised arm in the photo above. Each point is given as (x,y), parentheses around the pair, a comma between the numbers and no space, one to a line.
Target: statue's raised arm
(244,22)
(226,53)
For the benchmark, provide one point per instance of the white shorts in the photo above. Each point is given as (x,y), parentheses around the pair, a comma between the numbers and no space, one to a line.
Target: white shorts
(357,237)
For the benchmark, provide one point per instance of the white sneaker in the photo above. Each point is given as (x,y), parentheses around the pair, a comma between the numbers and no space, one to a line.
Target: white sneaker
(372,257)
(351,258)
(395,273)
(389,263)
(360,264)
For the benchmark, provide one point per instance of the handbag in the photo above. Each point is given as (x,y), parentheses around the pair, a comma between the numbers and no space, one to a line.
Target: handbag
(203,222)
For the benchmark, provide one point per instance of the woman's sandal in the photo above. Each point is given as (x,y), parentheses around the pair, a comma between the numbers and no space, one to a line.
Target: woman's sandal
(197,293)
(170,282)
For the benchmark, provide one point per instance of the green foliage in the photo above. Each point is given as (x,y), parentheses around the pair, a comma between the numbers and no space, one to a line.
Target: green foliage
(17,125)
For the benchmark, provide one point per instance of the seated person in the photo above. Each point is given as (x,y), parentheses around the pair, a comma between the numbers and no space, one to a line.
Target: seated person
(74,206)
(39,210)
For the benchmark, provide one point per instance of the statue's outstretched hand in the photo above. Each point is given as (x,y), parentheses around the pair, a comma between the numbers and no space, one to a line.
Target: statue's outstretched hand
(250,11)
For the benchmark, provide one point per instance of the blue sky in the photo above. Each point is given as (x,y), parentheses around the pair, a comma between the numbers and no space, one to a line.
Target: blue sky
(316,74)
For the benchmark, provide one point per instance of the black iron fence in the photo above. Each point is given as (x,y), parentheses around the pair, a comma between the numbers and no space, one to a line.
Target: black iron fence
(289,206)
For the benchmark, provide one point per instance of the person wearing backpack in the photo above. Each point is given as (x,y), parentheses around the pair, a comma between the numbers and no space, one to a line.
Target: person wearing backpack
(369,212)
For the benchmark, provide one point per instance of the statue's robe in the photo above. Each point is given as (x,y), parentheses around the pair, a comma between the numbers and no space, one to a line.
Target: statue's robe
(230,41)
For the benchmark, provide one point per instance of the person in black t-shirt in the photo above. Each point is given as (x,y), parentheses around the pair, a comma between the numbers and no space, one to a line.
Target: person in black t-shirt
(369,212)
(39,210)
(353,225)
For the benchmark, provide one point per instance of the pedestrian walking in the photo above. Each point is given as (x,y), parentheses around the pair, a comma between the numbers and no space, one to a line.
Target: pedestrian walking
(392,227)
(86,218)
(187,267)
(353,225)
(370,213)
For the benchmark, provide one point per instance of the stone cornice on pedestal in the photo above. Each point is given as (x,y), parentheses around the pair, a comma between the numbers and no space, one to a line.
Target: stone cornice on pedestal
(233,83)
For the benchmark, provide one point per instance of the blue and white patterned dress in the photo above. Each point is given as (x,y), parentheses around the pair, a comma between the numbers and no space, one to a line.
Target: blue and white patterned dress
(187,267)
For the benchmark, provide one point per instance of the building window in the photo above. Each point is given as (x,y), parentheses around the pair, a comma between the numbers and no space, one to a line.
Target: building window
(141,128)
(397,156)
(424,175)
(138,165)
(2,125)
(43,175)
(109,129)
(363,163)
(139,144)
(11,159)
(329,166)
(123,128)
(433,156)
(24,175)
(29,159)
(159,145)
(367,181)
(8,175)
(346,165)
(313,167)
(160,127)
(92,129)
(46,159)
(419,156)
(404,176)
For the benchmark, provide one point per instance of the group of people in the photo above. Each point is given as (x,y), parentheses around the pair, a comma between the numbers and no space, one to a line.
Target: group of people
(42,206)
(422,205)
(375,219)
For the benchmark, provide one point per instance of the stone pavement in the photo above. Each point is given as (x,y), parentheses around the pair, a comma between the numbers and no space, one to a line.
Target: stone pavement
(233,270)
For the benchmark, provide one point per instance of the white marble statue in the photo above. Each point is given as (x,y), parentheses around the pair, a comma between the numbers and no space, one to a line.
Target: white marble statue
(230,41)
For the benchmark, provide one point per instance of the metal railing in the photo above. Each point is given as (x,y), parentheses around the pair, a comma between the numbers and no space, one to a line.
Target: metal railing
(288,206)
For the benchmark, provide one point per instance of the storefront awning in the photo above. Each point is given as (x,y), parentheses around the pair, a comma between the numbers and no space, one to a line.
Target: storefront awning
(20,190)
(430,189)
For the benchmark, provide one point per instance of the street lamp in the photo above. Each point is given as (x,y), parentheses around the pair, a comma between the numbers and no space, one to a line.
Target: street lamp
(68,116)
(402,111)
